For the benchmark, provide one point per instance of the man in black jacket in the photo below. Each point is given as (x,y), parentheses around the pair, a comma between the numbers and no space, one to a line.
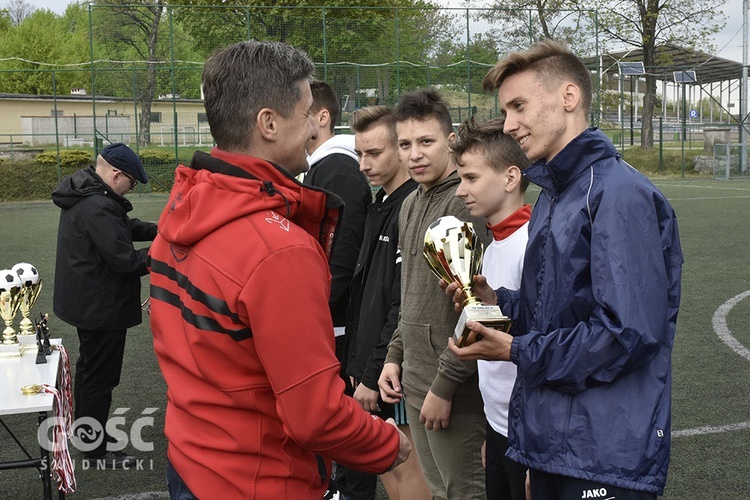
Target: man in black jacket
(97,283)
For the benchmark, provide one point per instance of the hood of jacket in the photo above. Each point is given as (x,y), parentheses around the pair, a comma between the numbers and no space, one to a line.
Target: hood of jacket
(590,146)
(81,184)
(450,182)
(338,144)
(221,187)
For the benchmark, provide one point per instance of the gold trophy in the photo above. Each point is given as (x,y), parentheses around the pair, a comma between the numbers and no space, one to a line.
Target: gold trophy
(454,254)
(31,286)
(10,300)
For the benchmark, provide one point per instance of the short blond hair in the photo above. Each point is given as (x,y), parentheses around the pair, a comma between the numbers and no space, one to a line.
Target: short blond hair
(552,61)
(364,119)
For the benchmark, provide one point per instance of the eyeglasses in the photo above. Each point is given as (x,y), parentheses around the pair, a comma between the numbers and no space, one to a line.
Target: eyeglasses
(133,182)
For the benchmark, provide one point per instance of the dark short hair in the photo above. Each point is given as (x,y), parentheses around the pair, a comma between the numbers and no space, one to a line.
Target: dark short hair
(364,119)
(552,61)
(240,80)
(324,97)
(486,138)
(422,105)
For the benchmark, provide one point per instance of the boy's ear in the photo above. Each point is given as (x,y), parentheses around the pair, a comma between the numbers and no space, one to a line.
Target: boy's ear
(323,117)
(513,177)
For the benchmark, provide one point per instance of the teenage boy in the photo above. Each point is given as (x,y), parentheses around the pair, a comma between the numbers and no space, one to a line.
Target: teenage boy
(596,312)
(490,166)
(334,167)
(376,295)
(443,403)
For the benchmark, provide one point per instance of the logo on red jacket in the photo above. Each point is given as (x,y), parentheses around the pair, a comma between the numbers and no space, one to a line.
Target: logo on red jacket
(275,218)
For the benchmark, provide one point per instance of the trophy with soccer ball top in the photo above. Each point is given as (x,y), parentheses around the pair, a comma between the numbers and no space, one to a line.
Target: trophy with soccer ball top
(454,254)
(10,300)
(30,288)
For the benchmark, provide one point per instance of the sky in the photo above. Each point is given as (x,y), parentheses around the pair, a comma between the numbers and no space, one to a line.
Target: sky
(728,42)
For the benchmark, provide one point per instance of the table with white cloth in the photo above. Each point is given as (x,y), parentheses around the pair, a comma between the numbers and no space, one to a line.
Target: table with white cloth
(17,372)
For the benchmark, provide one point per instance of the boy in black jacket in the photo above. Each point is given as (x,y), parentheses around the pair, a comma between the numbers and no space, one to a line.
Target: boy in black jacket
(376,292)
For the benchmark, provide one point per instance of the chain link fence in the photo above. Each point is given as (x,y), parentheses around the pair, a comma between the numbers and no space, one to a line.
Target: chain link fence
(140,83)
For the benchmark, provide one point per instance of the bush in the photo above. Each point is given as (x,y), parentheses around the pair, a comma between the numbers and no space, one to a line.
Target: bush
(35,179)
(159,165)
(29,180)
(647,161)
(69,158)
(156,156)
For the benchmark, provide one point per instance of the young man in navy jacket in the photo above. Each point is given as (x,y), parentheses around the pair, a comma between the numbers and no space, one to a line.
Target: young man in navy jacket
(594,319)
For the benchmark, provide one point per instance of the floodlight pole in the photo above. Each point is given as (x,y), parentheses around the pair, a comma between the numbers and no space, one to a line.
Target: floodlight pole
(744,96)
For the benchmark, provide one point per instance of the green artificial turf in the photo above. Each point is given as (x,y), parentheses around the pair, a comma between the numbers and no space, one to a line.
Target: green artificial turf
(711,382)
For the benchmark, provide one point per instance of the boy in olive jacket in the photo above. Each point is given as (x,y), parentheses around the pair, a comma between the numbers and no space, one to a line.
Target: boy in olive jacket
(442,396)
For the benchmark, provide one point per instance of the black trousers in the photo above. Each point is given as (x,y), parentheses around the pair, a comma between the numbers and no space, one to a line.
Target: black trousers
(355,485)
(352,484)
(97,373)
(504,478)
(546,486)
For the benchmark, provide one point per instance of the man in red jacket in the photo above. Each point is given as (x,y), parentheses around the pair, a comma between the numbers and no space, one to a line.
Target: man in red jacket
(239,299)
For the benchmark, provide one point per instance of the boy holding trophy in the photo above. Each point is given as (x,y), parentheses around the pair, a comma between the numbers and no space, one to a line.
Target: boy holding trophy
(595,315)
(492,186)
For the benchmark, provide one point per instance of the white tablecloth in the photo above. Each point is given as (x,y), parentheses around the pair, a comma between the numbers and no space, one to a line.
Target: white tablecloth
(18,371)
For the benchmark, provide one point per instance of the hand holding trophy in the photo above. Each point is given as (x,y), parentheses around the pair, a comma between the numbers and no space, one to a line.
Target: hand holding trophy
(454,254)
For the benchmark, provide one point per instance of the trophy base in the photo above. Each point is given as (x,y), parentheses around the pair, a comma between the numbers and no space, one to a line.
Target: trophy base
(489,316)
(25,339)
(10,350)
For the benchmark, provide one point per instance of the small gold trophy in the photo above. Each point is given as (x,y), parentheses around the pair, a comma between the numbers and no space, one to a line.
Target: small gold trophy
(10,300)
(31,286)
(454,254)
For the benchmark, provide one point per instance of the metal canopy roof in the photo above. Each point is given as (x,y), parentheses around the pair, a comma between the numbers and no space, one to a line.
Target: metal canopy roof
(670,58)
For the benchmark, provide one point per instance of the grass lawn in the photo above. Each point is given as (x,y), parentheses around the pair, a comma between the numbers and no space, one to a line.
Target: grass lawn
(711,381)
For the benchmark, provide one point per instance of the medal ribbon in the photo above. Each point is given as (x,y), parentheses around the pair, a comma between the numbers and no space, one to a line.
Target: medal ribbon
(62,465)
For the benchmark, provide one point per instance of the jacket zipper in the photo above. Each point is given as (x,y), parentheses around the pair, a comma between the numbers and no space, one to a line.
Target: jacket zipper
(538,305)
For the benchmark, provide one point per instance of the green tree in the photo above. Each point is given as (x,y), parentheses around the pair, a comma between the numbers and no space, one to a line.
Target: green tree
(129,28)
(37,51)
(516,24)
(141,53)
(647,24)
(5,22)
(334,33)
(480,53)
(709,105)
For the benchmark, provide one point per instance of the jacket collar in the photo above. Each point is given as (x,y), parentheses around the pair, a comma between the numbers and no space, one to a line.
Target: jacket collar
(400,192)
(338,144)
(590,146)
(445,185)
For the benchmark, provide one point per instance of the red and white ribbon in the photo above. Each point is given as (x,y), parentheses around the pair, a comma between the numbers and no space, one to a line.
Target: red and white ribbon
(61,463)
(66,389)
